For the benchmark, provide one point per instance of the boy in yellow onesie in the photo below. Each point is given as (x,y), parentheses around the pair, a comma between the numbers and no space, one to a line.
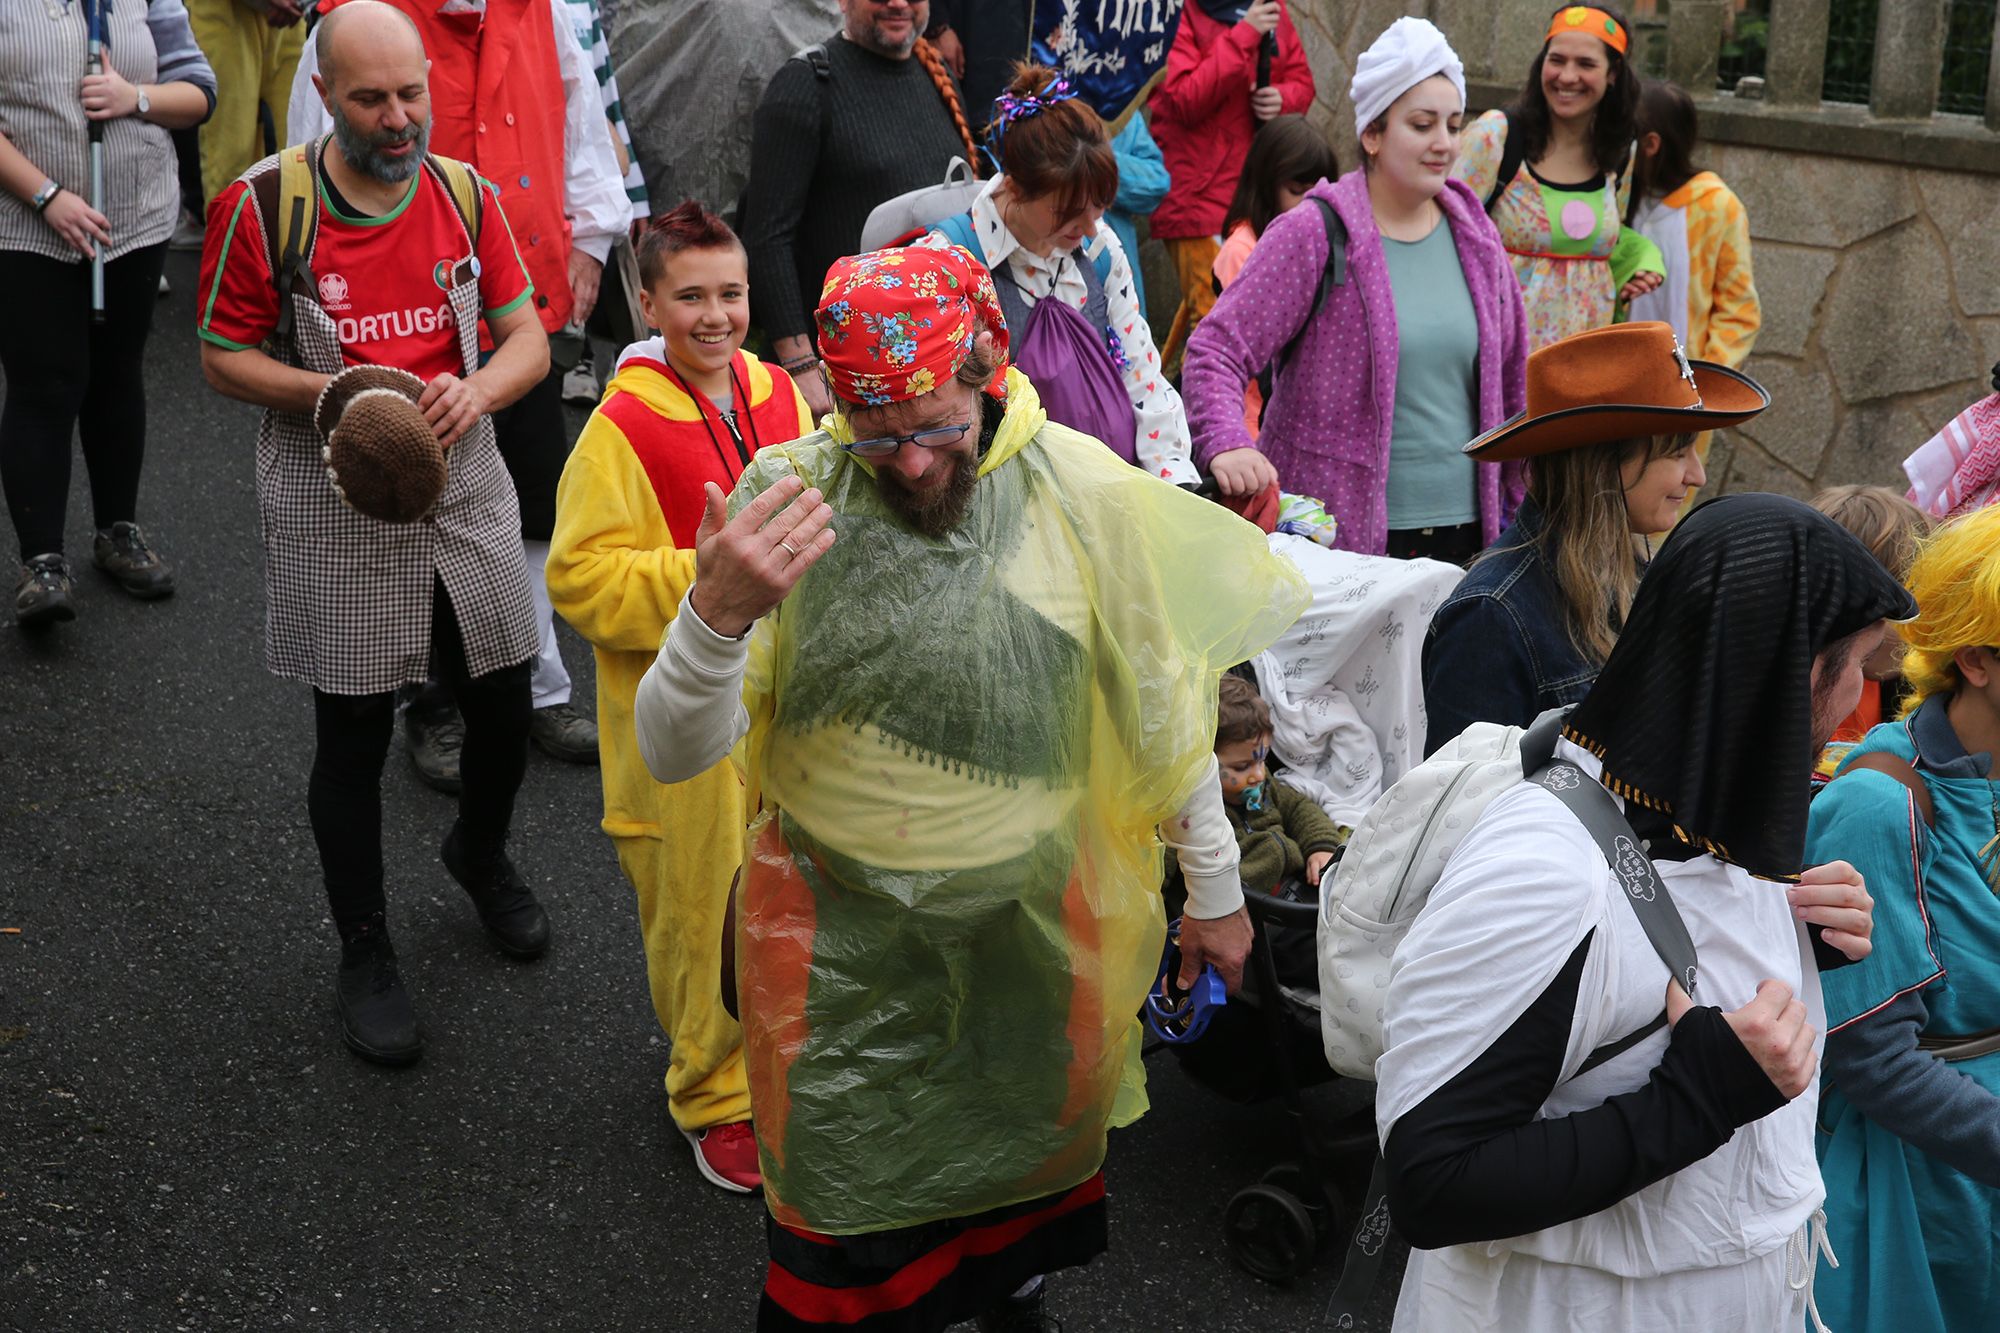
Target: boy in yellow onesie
(683,409)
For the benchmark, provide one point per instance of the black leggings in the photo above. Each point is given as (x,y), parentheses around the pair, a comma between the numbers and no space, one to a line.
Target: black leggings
(65,371)
(344,796)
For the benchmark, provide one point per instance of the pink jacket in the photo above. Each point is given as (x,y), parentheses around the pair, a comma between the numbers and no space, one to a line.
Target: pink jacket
(1327,426)
(1201,115)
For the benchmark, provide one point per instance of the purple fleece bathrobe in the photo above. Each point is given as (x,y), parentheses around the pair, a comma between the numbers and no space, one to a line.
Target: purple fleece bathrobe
(1326,428)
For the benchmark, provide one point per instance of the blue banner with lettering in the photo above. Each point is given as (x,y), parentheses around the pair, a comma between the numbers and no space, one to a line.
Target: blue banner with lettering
(1111,50)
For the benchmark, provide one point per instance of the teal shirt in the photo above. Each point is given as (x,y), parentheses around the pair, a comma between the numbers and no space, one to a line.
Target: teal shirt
(1432,484)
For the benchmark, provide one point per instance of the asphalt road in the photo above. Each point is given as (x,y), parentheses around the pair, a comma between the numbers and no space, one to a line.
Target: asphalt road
(184,1142)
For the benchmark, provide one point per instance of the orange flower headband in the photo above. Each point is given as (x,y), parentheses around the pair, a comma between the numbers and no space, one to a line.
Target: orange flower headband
(1584,18)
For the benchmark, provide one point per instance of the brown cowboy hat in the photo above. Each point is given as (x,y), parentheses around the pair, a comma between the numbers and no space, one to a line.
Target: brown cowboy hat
(382,457)
(1620,383)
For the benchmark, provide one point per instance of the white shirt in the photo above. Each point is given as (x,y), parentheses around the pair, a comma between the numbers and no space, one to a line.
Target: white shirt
(1161,444)
(1708,1242)
(593,193)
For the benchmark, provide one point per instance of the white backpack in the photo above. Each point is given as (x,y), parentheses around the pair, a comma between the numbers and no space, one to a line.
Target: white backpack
(922,209)
(1392,862)
(1398,853)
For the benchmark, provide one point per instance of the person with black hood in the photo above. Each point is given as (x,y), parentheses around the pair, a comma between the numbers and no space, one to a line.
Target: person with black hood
(1678,1175)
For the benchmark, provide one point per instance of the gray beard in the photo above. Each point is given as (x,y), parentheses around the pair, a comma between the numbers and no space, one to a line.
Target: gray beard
(363,151)
(869,37)
(936,512)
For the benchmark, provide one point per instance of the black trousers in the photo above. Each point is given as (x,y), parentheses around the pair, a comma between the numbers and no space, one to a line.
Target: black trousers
(65,372)
(534,442)
(1454,545)
(344,796)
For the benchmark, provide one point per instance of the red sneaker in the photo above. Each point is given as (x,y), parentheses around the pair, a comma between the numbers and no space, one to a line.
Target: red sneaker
(727,1156)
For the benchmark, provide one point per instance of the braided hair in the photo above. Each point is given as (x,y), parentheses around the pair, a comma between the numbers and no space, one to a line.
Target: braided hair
(934,65)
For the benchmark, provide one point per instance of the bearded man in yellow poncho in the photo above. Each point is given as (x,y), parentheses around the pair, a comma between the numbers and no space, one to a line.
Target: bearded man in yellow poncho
(965,718)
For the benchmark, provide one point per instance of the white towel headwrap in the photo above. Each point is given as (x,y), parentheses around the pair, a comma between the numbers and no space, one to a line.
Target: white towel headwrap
(1408,52)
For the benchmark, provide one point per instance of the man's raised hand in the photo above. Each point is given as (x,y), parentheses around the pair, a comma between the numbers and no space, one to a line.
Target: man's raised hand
(744,566)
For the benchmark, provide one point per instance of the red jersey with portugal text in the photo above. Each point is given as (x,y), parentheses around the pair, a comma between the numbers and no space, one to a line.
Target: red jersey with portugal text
(383,281)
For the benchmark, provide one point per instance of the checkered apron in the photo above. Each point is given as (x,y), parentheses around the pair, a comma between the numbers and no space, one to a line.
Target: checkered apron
(348,597)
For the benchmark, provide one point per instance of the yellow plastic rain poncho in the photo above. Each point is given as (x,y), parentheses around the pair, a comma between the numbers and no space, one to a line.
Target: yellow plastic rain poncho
(958,753)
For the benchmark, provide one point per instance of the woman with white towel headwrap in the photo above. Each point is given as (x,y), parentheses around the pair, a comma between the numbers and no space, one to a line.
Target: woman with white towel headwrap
(1420,348)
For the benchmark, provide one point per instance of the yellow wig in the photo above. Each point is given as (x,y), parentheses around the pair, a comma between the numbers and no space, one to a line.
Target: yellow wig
(1956,581)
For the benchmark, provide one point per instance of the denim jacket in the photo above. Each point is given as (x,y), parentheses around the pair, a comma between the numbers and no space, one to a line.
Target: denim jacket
(1498,650)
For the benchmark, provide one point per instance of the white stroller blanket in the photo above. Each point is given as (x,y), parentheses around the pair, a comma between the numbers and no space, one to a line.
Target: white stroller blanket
(1345,682)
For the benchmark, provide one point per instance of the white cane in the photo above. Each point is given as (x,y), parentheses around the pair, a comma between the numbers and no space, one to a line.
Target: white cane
(94,19)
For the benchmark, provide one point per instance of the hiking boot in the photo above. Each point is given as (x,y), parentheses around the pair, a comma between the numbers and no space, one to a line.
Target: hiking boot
(505,903)
(121,554)
(1020,1314)
(42,596)
(562,731)
(376,1019)
(435,740)
(579,385)
(726,1155)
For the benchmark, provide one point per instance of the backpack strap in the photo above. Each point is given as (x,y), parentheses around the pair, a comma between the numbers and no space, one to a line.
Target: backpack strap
(1512,152)
(1597,810)
(1903,771)
(1332,274)
(462,182)
(959,231)
(288,206)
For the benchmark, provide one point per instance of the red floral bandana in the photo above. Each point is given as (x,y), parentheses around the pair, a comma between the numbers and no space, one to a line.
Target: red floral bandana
(897,323)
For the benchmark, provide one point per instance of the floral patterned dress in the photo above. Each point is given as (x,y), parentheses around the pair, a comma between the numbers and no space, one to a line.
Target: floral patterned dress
(1570,252)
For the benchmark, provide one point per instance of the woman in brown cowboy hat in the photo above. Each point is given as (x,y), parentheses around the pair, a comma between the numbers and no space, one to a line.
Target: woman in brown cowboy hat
(1609,430)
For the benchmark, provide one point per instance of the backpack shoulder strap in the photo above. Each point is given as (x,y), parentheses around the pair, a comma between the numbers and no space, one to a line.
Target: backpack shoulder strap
(1903,771)
(1598,812)
(1512,153)
(958,228)
(1101,261)
(288,205)
(1332,274)
(815,57)
(463,183)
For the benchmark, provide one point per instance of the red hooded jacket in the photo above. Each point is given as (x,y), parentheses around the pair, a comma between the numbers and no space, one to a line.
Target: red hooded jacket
(1201,114)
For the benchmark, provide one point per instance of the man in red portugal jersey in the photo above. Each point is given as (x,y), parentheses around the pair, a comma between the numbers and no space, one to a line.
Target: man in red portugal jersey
(398,270)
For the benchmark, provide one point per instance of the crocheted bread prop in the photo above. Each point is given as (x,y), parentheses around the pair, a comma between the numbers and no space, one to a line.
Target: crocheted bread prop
(382,458)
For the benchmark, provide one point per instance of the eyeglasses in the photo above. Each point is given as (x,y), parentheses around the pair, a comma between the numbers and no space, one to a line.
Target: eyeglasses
(935,437)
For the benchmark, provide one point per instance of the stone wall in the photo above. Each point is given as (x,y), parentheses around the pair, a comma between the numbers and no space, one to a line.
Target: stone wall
(1880,281)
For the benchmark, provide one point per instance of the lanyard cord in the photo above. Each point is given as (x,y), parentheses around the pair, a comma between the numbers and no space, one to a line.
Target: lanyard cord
(740,393)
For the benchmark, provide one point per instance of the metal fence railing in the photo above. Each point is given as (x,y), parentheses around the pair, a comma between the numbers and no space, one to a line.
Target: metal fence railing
(1968,47)
(1744,45)
(1850,50)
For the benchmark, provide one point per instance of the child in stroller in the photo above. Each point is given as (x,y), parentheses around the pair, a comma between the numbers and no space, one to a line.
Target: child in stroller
(1340,713)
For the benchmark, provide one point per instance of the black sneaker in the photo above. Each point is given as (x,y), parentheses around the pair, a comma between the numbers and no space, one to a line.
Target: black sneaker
(42,596)
(120,551)
(562,731)
(435,740)
(1020,1314)
(376,1018)
(505,903)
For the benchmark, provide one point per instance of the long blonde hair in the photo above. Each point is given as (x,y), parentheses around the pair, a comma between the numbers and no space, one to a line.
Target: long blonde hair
(1586,536)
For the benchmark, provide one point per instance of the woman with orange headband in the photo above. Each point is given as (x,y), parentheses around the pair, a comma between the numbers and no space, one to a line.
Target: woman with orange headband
(1555,170)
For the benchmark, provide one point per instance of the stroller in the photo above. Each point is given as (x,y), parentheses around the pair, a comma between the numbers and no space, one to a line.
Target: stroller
(1344,689)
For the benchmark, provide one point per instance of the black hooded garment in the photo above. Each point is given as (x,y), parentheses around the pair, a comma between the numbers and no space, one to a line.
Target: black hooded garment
(1703,714)
(1703,711)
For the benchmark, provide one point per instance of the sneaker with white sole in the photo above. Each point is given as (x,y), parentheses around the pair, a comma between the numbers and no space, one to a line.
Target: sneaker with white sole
(726,1155)
(188,233)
